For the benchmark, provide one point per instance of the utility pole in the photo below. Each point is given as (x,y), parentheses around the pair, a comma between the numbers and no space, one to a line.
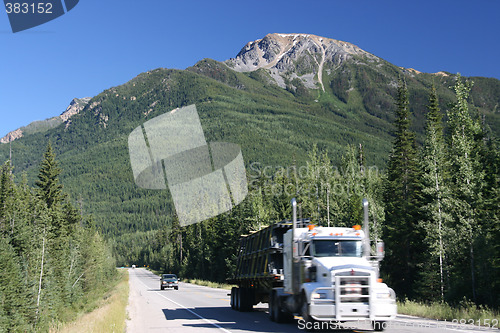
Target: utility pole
(361,160)
(317,200)
(10,156)
(328,204)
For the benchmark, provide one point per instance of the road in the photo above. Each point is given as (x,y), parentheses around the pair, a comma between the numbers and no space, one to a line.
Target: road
(195,309)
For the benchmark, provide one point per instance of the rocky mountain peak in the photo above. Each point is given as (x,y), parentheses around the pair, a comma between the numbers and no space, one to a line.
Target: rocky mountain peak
(288,56)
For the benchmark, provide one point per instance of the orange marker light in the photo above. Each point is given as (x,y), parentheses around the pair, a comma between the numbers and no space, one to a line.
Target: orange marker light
(357,227)
(310,226)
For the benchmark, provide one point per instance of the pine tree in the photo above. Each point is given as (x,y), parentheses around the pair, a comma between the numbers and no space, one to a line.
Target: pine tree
(401,232)
(466,176)
(353,187)
(48,178)
(6,191)
(436,200)
(489,217)
(13,290)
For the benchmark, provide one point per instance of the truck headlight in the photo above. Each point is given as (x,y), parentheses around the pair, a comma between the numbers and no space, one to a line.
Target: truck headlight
(319,295)
(384,295)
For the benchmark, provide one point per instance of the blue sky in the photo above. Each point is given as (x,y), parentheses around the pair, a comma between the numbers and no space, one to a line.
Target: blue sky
(100,44)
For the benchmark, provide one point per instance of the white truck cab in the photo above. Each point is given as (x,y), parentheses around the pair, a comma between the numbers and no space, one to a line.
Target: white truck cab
(334,277)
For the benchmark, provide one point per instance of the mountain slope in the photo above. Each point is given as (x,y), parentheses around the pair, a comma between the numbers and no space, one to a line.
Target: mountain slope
(76,105)
(357,79)
(295,91)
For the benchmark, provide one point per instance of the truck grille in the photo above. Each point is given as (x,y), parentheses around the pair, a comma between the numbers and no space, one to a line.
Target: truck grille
(353,289)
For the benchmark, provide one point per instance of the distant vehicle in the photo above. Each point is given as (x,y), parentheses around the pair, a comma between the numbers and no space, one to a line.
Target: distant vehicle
(169,281)
(133,266)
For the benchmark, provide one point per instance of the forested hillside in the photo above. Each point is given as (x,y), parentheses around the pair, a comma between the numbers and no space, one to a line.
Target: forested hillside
(282,129)
(436,207)
(274,126)
(52,259)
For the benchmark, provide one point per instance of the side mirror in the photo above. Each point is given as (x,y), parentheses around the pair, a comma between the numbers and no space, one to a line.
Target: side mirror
(380,250)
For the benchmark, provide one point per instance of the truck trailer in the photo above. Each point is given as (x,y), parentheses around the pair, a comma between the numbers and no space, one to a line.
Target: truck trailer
(324,274)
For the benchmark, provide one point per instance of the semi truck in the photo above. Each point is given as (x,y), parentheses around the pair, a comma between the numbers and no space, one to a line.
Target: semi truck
(323,274)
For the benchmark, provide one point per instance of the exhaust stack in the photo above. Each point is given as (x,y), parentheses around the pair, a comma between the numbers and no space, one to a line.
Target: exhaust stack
(295,249)
(294,225)
(366,229)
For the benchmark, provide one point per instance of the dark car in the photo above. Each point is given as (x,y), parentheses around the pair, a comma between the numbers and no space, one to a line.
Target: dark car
(169,281)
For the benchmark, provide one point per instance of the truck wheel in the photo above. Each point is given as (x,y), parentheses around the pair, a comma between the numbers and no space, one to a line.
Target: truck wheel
(244,300)
(304,311)
(273,307)
(240,299)
(278,315)
(237,299)
(248,299)
(233,294)
(378,326)
(272,317)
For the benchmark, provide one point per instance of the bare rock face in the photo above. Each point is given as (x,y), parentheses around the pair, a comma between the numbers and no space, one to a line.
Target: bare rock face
(76,105)
(290,56)
(11,136)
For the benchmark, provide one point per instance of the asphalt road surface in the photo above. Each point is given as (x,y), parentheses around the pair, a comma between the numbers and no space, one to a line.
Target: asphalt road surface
(196,309)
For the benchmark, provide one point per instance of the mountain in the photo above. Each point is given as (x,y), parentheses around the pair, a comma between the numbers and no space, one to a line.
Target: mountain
(291,56)
(351,78)
(277,98)
(76,105)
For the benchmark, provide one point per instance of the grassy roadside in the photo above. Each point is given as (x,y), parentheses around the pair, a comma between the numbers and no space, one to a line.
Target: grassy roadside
(109,314)
(209,284)
(468,312)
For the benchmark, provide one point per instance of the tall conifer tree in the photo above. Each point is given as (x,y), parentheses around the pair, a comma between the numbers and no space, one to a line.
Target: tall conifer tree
(467,176)
(48,178)
(401,231)
(436,199)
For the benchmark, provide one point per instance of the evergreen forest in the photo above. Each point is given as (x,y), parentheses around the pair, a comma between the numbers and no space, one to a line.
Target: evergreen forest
(435,206)
(52,258)
(423,149)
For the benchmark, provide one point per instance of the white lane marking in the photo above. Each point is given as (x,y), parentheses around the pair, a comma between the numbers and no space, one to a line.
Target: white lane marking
(191,311)
(194,313)
(465,330)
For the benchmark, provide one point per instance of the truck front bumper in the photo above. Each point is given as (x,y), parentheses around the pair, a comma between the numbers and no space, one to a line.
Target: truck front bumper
(329,309)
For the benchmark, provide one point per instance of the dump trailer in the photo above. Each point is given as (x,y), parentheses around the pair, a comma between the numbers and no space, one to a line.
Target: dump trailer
(324,274)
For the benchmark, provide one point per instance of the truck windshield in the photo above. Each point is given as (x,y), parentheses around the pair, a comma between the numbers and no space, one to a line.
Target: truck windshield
(339,248)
